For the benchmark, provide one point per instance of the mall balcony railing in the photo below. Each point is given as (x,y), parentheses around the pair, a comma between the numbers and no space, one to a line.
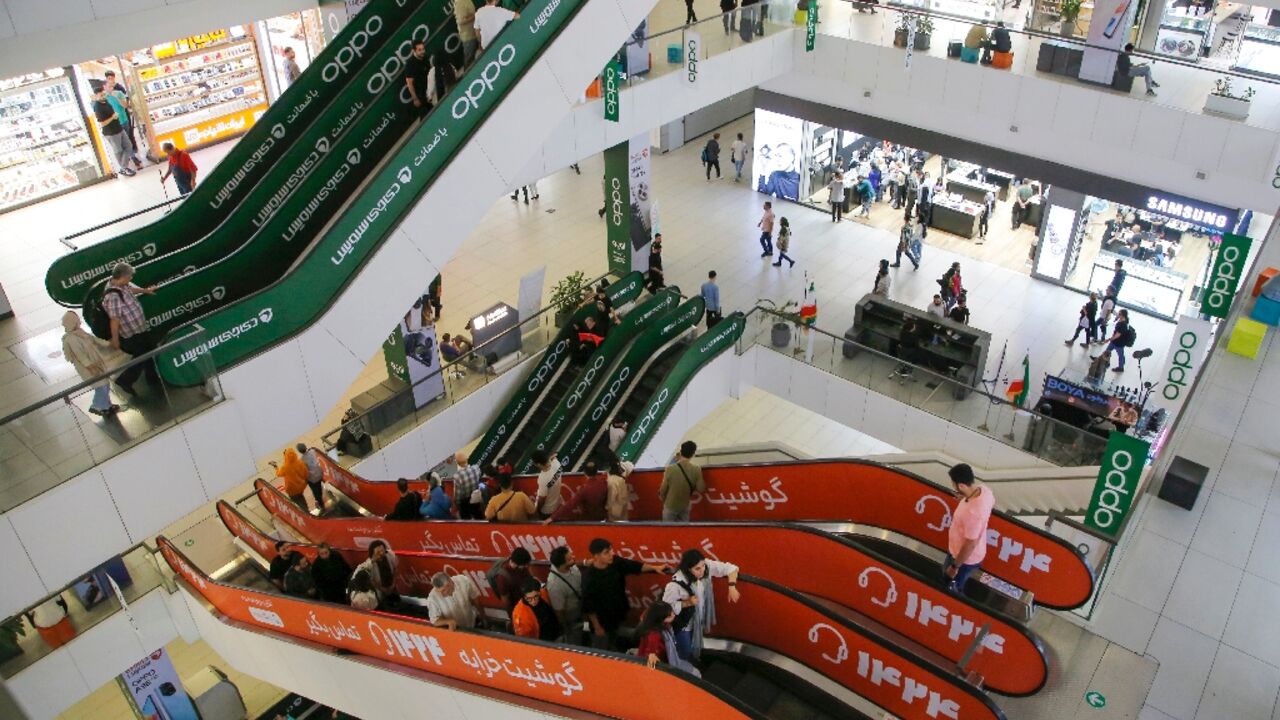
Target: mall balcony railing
(944,397)
(394,417)
(1183,85)
(55,438)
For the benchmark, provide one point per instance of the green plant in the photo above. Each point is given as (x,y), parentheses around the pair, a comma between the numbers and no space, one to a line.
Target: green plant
(904,22)
(1223,87)
(10,631)
(1070,10)
(924,25)
(789,311)
(568,293)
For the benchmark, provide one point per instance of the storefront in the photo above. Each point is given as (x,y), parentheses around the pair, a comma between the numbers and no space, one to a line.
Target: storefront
(45,146)
(982,10)
(1220,33)
(302,32)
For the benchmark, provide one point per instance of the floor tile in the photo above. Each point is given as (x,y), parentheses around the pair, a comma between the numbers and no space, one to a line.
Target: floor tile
(1124,622)
(1146,572)
(1193,604)
(1248,473)
(1185,658)
(1252,626)
(1240,687)
(1227,528)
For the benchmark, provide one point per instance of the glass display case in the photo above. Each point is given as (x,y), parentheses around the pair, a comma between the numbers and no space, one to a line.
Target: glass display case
(972,9)
(1260,51)
(45,146)
(1146,287)
(1185,33)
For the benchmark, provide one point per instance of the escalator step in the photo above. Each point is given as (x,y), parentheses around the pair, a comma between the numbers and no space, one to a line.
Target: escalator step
(722,675)
(790,707)
(756,691)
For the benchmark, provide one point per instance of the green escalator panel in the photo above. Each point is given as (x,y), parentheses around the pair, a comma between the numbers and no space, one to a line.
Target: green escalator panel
(276,313)
(703,350)
(557,353)
(639,319)
(258,242)
(614,388)
(287,122)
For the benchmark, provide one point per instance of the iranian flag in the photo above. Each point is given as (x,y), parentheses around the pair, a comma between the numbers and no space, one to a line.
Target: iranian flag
(809,306)
(1017,390)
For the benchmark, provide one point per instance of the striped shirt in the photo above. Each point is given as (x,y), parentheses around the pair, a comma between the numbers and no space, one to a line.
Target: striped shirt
(123,306)
(465,482)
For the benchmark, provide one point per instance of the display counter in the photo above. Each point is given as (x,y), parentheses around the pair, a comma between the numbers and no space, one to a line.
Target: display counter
(946,347)
(955,215)
(1150,289)
(970,189)
(45,147)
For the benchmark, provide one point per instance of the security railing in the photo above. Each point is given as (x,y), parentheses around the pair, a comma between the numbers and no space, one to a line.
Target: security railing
(57,437)
(942,396)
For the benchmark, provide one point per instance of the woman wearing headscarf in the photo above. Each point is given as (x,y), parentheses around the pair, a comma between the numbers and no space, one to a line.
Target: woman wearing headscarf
(689,592)
(656,639)
(91,357)
(381,567)
(294,473)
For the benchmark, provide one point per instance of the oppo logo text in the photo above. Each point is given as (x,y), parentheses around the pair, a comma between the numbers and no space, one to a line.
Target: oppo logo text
(1114,491)
(1180,370)
(691,64)
(392,68)
(352,51)
(1225,271)
(615,200)
(482,85)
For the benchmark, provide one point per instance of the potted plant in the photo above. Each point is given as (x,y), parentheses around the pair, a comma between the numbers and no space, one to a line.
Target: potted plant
(10,631)
(784,316)
(1069,10)
(924,31)
(1225,101)
(567,295)
(900,33)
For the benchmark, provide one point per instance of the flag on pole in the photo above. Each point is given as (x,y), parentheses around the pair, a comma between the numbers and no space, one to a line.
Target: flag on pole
(1017,390)
(809,306)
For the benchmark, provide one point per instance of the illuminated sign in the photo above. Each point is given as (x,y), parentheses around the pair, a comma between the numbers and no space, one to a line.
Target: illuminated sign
(1202,214)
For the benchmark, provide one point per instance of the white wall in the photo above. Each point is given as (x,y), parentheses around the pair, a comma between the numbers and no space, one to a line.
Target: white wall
(40,34)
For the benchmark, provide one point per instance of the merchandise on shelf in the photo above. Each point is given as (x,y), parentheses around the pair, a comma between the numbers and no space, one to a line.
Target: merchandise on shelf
(201,89)
(44,144)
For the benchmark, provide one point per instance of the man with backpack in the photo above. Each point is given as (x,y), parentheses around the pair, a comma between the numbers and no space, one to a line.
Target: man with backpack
(1124,336)
(129,331)
(680,481)
(407,506)
(507,576)
(711,156)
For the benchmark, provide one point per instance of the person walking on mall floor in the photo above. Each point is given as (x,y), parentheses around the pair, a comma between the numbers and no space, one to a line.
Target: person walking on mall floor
(129,331)
(967,536)
(924,199)
(291,70)
(464,14)
(1021,201)
(689,16)
(91,356)
(960,313)
(564,590)
(729,16)
(710,293)
(680,481)
(738,156)
(935,307)
(655,280)
(689,590)
(1083,325)
(315,476)
(1118,278)
(912,192)
(766,230)
(952,286)
(466,488)
(1122,337)
(910,242)
(111,125)
(711,156)
(988,207)
(865,193)
(881,286)
(604,591)
(835,196)
(408,505)
(533,185)
(1126,66)
(784,243)
(181,167)
(1104,317)
(875,177)
(118,96)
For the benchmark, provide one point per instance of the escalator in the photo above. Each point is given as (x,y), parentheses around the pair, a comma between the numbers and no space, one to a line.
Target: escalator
(287,124)
(264,235)
(634,402)
(261,315)
(801,648)
(1009,657)
(555,363)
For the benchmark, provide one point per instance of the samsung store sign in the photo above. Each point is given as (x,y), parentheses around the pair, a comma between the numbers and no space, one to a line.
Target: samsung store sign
(1202,214)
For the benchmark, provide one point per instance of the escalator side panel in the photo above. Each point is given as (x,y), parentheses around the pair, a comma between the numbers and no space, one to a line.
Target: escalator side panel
(1011,658)
(569,678)
(286,122)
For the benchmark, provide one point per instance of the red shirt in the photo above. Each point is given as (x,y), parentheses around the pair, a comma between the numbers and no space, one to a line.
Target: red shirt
(591,499)
(652,644)
(181,160)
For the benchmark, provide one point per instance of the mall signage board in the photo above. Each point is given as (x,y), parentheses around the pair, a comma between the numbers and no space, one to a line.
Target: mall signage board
(1224,279)
(1201,214)
(1117,483)
(617,208)
(612,90)
(1191,341)
(692,56)
(811,26)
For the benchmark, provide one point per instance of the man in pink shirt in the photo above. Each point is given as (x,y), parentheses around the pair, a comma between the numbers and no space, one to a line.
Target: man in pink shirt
(967,539)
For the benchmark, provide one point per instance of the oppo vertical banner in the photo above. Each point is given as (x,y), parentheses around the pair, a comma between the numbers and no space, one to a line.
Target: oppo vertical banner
(1228,266)
(1191,341)
(617,211)
(612,91)
(157,690)
(393,355)
(1117,483)
(1108,28)
(692,56)
(641,227)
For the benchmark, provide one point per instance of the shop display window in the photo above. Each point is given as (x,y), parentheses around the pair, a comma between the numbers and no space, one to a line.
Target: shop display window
(301,31)
(45,146)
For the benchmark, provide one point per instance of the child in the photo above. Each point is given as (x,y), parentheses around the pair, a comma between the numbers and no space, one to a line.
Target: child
(784,243)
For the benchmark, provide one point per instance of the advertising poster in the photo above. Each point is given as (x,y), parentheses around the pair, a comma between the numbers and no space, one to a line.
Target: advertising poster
(421,353)
(638,50)
(1191,341)
(1108,28)
(393,355)
(1228,267)
(693,54)
(641,224)
(617,216)
(1117,483)
(775,165)
(157,690)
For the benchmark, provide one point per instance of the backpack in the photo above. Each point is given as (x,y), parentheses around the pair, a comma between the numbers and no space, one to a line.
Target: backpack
(1131,337)
(704,155)
(96,316)
(491,575)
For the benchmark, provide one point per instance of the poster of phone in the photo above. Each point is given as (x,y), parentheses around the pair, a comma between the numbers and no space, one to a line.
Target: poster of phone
(156,689)
(422,353)
(775,164)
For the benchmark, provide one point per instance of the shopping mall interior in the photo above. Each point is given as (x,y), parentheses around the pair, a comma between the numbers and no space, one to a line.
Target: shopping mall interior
(693,336)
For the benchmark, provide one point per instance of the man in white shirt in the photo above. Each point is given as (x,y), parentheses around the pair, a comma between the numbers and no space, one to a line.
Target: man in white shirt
(564,586)
(738,155)
(548,498)
(936,308)
(490,20)
(454,602)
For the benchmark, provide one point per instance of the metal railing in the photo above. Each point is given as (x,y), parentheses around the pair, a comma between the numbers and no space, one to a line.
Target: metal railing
(66,239)
(396,416)
(939,395)
(53,439)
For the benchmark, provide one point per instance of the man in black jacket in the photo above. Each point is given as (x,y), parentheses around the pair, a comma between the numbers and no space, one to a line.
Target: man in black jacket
(712,153)
(1125,66)
(407,506)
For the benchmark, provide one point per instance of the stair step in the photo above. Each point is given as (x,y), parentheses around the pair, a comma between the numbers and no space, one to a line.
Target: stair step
(756,691)
(790,707)
(722,675)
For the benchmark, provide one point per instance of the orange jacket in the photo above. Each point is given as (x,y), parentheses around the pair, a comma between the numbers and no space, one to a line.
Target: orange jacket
(294,473)
(524,622)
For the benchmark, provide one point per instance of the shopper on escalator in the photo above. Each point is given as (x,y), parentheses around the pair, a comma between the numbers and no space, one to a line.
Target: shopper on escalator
(280,564)
(691,594)
(680,481)
(547,499)
(564,588)
(181,167)
(533,616)
(381,567)
(507,576)
(315,475)
(417,70)
(298,581)
(490,20)
(437,506)
(590,501)
(509,505)
(464,14)
(331,573)
(454,602)
(656,639)
(967,536)
(294,474)
(604,592)
(360,592)
(129,330)
(466,488)
(441,79)
(407,505)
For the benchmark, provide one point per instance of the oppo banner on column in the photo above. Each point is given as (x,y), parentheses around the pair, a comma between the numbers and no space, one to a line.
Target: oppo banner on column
(156,688)
(1108,28)
(628,205)
(1191,341)
(1117,483)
